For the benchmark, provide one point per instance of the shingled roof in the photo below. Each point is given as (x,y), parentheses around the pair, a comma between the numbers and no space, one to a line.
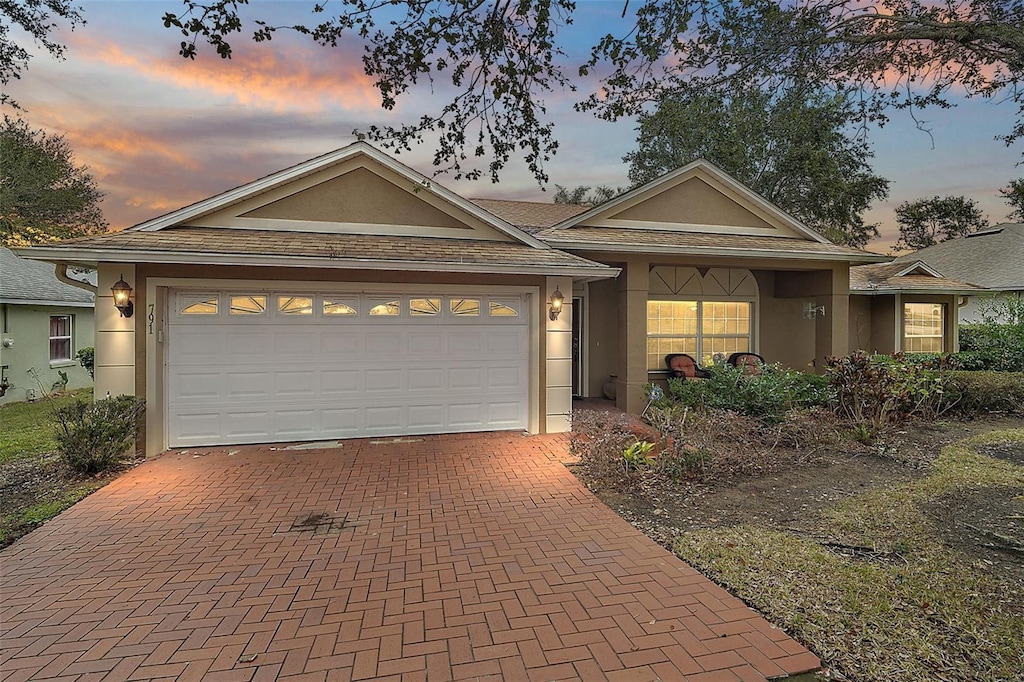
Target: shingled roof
(31,282)
(531,216)
(993,259)
(318,249)
(904,277)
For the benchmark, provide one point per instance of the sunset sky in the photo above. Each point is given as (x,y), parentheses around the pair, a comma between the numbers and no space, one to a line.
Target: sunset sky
(159,132)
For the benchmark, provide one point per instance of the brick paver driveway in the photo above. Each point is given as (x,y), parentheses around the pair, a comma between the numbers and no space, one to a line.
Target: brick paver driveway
(453,557)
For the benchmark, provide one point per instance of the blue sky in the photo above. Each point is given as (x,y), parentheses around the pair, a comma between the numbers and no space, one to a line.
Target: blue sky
(159,132)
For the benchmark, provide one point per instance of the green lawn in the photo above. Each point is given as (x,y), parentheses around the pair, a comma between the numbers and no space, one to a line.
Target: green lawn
(26,429)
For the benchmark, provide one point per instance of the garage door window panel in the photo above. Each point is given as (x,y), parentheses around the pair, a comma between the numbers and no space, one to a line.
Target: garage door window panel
(338,307)
(392,308)
(202,304)
(295,305)
(419,307)
(464,307)
(248,305)
(503,309)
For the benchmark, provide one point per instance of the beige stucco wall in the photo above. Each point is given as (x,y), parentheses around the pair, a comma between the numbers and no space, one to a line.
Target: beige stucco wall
(28,329)
(557,379)
(601,335)
(115,335)
(693,201)
(785,336)
(861,323)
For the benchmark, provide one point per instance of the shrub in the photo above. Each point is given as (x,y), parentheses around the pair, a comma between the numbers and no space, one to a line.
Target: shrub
(92,437)
(981,392)
(87,358)
(721,444)
(875,392)
(998,340)
(599,441)
(768,395)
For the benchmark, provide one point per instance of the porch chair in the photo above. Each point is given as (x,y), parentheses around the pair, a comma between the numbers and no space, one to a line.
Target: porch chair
(683,366)
(750,363)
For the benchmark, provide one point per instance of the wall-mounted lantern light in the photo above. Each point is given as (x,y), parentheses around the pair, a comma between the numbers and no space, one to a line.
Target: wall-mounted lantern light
(557,299)
(123,297)
(811,311)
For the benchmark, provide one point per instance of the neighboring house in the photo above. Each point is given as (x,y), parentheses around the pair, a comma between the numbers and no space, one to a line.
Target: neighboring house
(44,323)
(351,296)
(992,259)
(904,306)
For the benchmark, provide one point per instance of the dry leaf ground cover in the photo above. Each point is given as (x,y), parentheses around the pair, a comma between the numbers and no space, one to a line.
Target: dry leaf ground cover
(899,561)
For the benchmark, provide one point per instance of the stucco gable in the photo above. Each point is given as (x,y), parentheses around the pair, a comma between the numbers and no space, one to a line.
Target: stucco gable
(356,190)
(696,198)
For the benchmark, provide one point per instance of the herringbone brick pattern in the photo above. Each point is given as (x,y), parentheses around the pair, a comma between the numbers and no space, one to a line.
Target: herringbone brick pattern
(445,558)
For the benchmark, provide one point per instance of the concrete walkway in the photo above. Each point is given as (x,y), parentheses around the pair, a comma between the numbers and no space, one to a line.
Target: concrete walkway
(439,558)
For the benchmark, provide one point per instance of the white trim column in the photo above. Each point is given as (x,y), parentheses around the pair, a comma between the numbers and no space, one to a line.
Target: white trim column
(558,360)
(115,336)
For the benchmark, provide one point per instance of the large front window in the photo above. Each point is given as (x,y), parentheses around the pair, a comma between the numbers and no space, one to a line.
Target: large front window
(923,325)
(700,328)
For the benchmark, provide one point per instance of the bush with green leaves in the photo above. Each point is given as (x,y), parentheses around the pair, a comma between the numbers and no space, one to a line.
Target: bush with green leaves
(976,393)
(879,391)
(997,341)
(93,437)
(87,358)
(768,395)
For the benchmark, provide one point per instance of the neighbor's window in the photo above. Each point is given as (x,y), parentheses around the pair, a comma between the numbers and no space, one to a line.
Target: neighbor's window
(295,305)
(248,305)
(698,328)
(923,324)
(60,338)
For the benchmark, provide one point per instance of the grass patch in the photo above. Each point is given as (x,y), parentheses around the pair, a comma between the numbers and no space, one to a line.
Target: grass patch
(17,523)
(911,609)
(26,429)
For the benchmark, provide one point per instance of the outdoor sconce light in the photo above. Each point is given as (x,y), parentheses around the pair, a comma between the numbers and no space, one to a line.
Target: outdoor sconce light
(123,297)
(556,304)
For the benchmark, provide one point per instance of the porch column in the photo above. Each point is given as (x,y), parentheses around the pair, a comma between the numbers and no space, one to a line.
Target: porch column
(633,284)
(832,330)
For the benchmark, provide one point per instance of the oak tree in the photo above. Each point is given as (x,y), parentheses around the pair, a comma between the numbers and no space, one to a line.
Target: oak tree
(503,58)
(928,221)
(37,19)
(44,194)
(1014,196)
(797,151)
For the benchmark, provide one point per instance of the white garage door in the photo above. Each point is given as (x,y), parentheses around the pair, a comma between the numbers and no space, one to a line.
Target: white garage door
(253,367)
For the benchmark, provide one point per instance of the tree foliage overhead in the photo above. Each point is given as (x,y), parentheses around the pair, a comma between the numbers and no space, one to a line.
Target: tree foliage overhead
(585,194)
(795,151)
(926,222)
(38,19)
(504,57)
(1014,196)
(44,195)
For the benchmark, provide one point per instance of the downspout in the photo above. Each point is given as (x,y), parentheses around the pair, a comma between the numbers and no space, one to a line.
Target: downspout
(61,271)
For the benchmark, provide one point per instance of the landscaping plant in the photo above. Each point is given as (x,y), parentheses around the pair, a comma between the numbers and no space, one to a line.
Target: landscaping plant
(93,437)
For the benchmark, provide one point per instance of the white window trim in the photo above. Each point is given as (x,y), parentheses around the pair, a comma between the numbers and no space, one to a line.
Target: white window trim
(70,360)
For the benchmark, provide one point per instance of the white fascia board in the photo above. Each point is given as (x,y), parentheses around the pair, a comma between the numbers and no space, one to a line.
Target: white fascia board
(717,251)
(890,292)
(919,265)
(53,304)
(719,175)
(256,260)
(312,166)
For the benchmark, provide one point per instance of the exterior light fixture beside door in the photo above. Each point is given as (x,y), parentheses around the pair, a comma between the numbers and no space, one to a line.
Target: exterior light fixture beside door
(557,299)
(123,297)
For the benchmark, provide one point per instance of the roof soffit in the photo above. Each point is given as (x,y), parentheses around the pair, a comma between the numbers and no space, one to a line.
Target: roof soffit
(696,198)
